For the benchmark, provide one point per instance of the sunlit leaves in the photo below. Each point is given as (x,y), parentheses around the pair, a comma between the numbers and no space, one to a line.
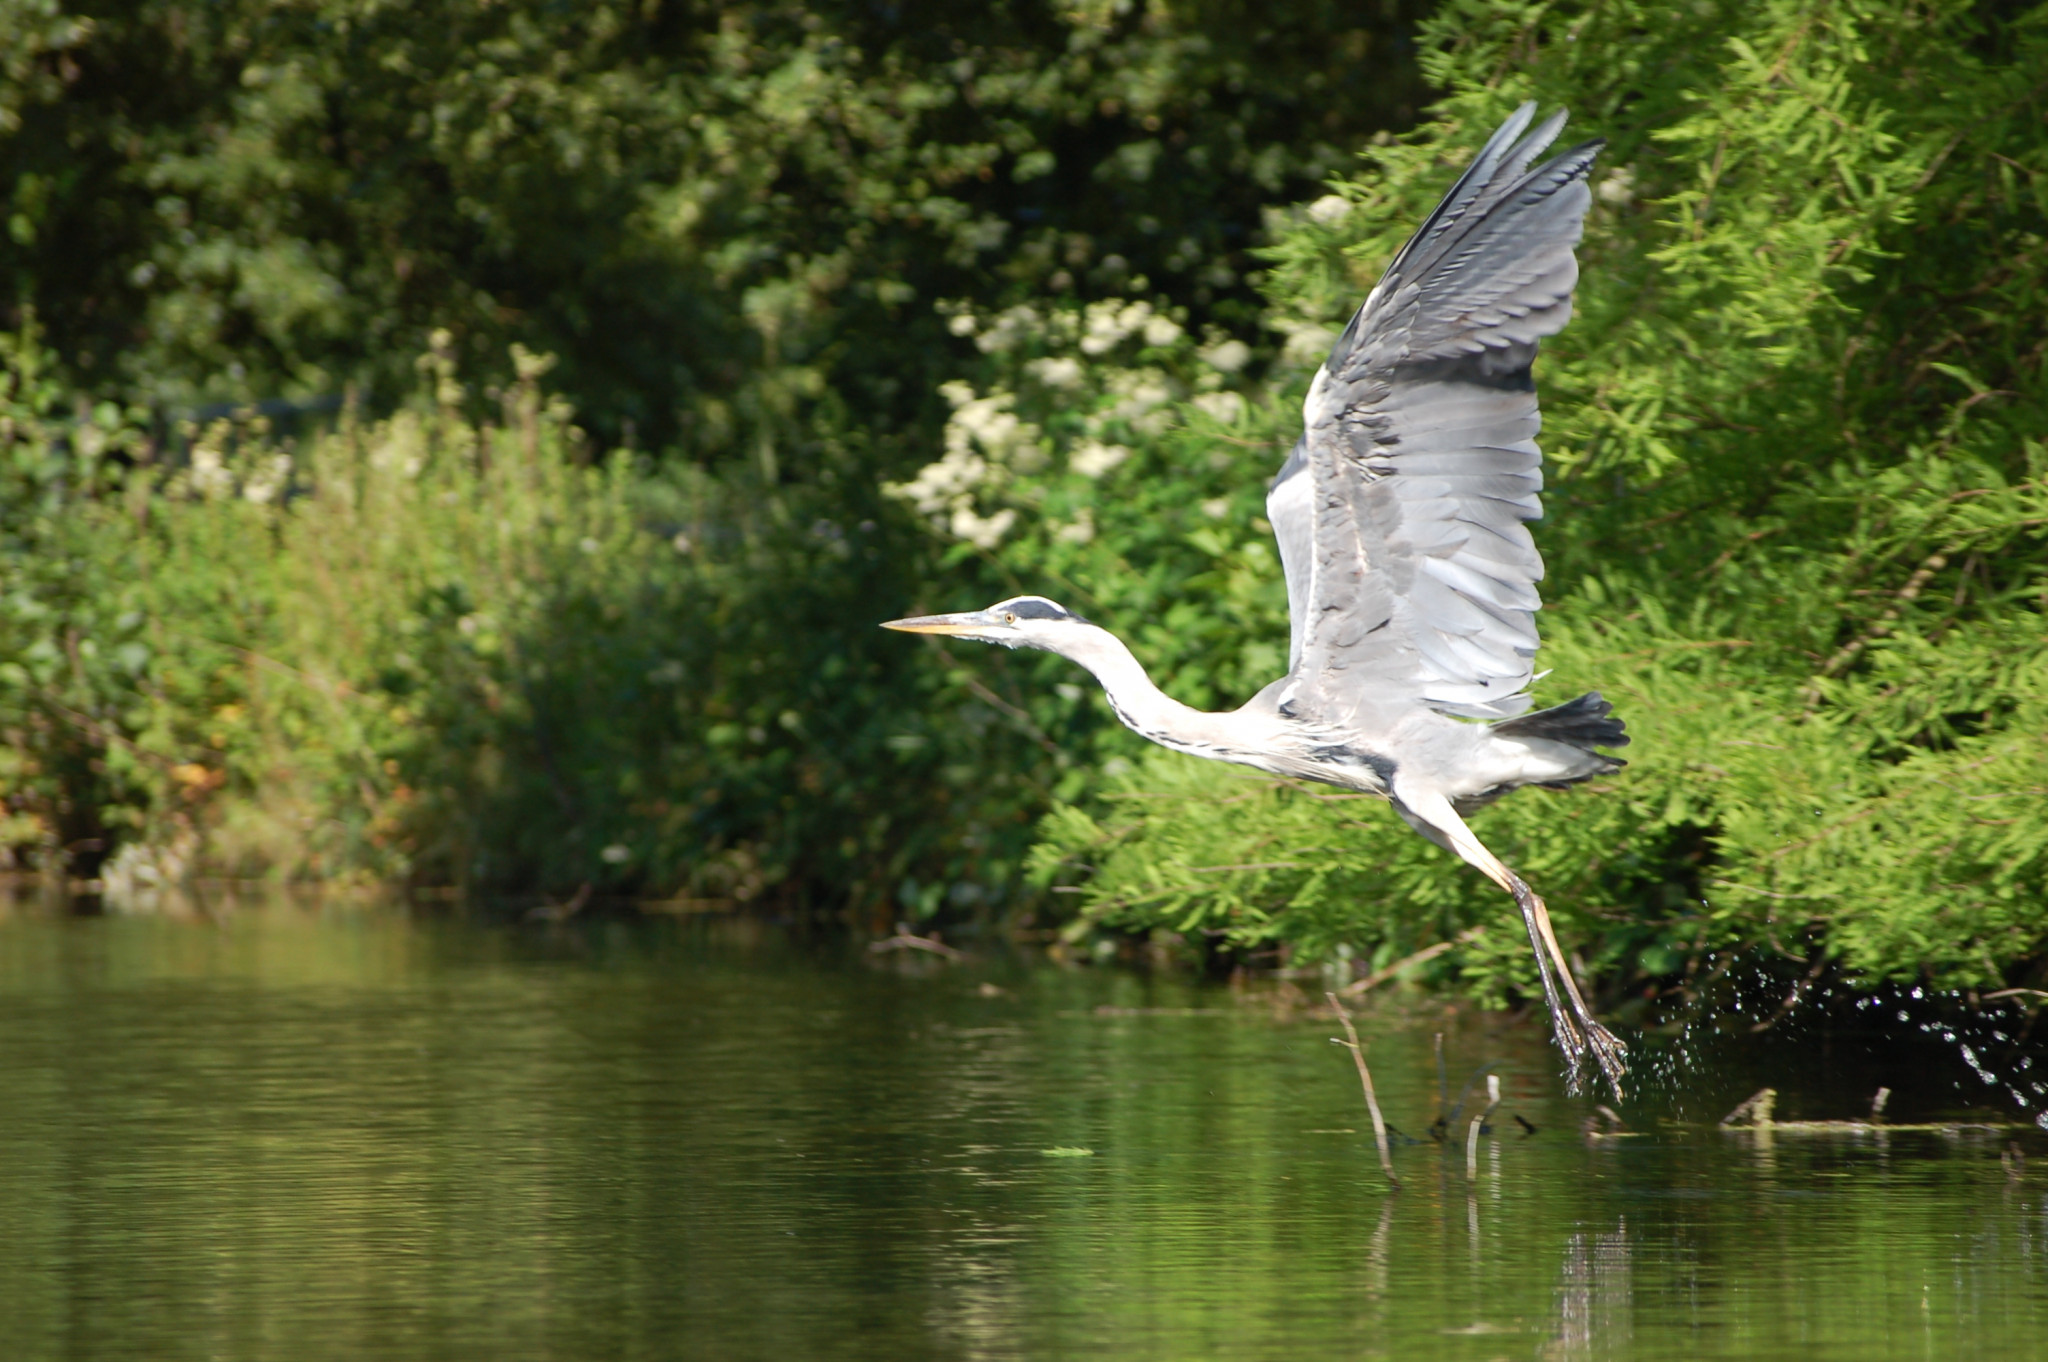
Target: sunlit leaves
(1798,526)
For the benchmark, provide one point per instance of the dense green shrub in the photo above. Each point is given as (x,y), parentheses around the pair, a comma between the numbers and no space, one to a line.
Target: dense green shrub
(731,223)
(1797,442)
(1796,459)
(472,654)
(713,213)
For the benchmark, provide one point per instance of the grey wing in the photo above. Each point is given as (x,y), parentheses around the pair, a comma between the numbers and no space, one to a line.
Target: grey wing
(1401,513)
(1289,513)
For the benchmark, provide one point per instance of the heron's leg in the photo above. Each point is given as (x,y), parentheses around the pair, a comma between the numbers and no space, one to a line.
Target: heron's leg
(1577,1032)
(1607,1048)
(1568,1038)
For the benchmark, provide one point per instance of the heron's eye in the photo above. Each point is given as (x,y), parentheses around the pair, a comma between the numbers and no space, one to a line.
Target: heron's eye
(1009,618)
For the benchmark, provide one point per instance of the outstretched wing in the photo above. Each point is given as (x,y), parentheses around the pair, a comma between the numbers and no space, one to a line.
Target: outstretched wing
(1401,513)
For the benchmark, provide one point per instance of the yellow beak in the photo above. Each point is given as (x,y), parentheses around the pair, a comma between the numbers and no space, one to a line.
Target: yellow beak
(973,622)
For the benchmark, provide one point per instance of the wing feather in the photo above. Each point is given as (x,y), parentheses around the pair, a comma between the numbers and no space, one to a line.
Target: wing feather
(1401,514)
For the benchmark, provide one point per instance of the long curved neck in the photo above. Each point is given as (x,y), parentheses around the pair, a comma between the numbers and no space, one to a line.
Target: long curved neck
(1143,707)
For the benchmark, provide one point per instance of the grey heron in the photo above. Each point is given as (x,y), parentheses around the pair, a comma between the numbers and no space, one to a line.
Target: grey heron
(1401,515)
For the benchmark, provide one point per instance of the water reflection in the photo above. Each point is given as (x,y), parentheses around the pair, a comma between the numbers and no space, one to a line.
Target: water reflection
(357,1135)
(1595,1296)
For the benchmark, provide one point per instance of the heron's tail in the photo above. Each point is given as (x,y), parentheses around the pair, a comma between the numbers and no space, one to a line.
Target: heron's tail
(1585,723)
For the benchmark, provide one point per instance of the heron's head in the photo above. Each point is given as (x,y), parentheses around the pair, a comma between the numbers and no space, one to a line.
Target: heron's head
(1020,622)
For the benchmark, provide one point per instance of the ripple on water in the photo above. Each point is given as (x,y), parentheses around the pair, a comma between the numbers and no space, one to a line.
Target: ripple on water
(361,1135)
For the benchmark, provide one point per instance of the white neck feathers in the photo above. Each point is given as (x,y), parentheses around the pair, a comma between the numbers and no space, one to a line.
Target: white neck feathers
(1142,706)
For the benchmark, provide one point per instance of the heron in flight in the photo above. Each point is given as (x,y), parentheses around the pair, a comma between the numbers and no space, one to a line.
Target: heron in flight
(1411,576)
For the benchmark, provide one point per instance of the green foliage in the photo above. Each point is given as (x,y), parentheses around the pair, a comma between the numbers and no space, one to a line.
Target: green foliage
(463,653)
(931,303)
(66,643)
(1797,445)
(731,224)
(715,214)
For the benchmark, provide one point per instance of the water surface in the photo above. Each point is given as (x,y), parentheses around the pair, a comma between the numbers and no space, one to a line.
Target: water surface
(302,1134)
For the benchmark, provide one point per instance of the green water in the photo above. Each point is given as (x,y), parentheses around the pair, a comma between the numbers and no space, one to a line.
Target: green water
(301,1135)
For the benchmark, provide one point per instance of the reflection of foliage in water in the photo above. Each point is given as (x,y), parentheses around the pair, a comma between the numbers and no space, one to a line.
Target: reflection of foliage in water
(437,1139)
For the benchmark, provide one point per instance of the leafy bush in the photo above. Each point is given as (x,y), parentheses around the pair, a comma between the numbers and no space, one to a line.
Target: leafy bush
(1796,459)
(718,215)
(1796,440)
(469,654)
(730,223)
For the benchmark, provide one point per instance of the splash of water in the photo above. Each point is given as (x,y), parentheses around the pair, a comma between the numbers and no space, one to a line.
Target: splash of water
(1746,1021)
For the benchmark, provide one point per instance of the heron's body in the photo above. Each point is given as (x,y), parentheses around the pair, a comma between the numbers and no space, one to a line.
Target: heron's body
(1473,764)
(1411,575)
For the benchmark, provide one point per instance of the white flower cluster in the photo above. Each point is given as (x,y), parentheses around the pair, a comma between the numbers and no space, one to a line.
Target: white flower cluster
(1004,331)
(988,425)
(1092,458)
(1108,324)
(210,477)
(1098,328)
(1329,209)
(1226,407)
(987,443)
(984,532)
(1227,356)
(214,474)
(270,478)
(1308,343)
(1619,187)
(1141,397)
(1057,371)
(985,440)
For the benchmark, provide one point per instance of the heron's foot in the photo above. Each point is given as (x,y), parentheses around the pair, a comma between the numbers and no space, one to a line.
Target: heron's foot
(1571,1020)
(1582,1036)
(1608,1052)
